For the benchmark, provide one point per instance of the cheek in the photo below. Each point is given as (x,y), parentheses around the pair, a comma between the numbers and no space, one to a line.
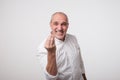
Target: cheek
(65,28)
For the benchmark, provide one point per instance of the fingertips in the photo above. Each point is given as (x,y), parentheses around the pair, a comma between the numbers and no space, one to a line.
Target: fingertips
(52,40)
(52,34)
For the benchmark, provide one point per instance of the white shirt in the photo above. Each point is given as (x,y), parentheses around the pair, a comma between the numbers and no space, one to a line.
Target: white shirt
(68,58)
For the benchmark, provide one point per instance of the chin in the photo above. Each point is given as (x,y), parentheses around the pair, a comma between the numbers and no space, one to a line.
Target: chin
(60,37)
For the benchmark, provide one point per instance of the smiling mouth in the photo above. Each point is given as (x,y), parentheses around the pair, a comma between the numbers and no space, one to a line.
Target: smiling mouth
(60,31)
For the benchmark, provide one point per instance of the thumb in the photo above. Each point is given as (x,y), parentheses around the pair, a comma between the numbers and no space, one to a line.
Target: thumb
(52,34)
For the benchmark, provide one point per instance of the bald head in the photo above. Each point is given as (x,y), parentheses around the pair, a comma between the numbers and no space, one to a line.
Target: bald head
(59,25)
(59,13)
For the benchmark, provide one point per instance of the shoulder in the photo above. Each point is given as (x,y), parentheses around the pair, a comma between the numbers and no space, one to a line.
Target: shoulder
(71,37)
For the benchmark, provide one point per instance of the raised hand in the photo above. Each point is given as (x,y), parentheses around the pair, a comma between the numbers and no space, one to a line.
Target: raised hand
(51,57)
(50,44)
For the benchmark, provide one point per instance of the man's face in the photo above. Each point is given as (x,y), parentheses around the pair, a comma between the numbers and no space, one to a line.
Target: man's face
(59,26)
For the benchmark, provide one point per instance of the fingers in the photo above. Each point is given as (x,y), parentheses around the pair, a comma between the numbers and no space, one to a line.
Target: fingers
(52,39)
(47,43)
(50,43)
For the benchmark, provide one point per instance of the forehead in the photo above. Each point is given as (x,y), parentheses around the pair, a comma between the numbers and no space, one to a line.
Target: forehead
(59,17)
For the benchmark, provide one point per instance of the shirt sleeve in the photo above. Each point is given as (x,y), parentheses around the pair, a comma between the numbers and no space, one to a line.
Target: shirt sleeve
(43,63)
(42,56)
(50,77)
(81,60)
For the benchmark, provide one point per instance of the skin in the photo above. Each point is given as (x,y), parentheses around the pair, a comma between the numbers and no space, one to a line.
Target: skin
(59,25)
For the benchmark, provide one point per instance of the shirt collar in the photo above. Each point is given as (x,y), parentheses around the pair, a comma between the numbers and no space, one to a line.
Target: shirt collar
(58,41)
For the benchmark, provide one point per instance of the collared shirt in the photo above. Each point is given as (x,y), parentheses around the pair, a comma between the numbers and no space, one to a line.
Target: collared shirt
(68,59)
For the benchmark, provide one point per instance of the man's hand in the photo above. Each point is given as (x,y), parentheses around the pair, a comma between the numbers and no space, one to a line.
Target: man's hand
(51,56)
(50,44)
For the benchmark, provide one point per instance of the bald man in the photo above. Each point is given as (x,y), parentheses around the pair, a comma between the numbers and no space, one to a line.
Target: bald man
(60,57)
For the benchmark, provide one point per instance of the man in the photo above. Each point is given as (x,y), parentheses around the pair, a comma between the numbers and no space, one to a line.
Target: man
(60,56)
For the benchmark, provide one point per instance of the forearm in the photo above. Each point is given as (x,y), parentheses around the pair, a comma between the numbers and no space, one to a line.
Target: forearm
(84,76)
(51,65)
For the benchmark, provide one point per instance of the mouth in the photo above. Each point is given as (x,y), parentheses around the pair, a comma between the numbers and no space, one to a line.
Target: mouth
(60,34)
(59,31)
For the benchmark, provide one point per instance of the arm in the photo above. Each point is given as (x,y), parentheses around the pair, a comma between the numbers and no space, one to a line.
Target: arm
(51,57)
(51,65)
(82,64)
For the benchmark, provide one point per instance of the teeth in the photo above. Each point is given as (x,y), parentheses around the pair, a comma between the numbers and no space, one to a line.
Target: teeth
(60,31)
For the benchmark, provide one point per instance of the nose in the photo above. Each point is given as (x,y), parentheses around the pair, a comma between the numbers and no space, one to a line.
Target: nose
(59,27)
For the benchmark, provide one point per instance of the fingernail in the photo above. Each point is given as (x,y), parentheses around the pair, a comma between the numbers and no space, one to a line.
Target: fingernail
(51,32)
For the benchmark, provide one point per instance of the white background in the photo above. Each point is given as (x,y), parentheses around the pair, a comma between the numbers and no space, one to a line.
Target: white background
(25,23)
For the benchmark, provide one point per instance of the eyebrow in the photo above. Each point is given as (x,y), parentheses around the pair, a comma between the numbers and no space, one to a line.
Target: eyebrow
(63,23)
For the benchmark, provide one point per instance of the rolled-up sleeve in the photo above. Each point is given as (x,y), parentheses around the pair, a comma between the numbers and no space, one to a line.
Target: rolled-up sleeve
(50,77)
(42,56)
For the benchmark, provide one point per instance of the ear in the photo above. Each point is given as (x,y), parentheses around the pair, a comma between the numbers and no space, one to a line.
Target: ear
(50,25)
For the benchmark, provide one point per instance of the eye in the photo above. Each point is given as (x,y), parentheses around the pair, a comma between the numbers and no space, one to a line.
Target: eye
(55,23)
(64,24)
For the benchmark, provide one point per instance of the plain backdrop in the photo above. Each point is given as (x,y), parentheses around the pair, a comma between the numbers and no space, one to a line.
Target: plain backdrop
(25,23)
